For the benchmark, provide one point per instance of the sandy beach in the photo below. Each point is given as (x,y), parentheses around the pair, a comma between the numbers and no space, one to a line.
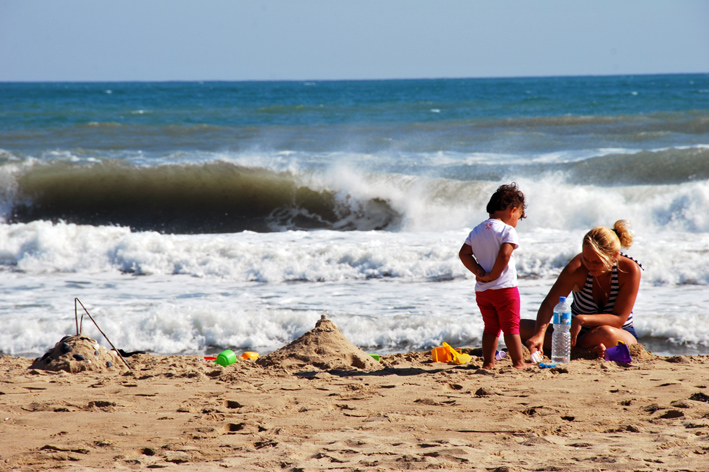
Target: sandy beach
(302,408)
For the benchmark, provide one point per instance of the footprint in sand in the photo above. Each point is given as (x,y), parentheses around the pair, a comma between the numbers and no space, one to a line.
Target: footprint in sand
(699,397)
(146,451)
(101,405)
(672,414)
(233,428)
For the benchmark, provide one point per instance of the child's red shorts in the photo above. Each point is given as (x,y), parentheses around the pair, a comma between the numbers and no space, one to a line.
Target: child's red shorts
(500,309)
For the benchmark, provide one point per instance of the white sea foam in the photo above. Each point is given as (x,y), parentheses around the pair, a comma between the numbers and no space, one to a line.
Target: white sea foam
(387,291)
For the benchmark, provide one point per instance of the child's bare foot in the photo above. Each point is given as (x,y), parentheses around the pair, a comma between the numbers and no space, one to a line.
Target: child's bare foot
(489,365)
(521,366)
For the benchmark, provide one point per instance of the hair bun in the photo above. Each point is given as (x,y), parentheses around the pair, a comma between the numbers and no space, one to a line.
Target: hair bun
(625,234)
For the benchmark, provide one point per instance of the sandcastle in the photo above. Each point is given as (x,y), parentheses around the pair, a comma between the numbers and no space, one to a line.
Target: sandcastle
(324,347)
(79,353)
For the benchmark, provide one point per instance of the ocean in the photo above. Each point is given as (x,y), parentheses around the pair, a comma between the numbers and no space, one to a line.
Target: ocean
(192,217)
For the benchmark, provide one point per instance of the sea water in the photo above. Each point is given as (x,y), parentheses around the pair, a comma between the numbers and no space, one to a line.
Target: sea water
(191,217)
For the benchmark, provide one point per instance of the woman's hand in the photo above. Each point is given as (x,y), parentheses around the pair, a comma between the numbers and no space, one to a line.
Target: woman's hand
(536,343)
(576,325)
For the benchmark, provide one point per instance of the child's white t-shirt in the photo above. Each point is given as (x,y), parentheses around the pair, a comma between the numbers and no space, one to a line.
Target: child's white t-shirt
(486,239)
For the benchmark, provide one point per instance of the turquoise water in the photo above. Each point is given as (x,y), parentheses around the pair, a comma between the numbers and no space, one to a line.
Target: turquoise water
(164,117)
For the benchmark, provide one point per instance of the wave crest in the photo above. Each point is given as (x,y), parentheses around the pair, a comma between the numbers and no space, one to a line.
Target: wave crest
(668,166)
(216,197)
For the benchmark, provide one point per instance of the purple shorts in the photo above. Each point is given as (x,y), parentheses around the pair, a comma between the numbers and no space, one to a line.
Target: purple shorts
(500,309)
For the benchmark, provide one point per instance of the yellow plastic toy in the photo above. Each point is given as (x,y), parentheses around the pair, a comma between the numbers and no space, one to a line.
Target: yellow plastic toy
(446,353)
(250,355)
(440,354)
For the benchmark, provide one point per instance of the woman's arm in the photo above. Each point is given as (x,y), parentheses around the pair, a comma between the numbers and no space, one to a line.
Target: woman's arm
(569,277)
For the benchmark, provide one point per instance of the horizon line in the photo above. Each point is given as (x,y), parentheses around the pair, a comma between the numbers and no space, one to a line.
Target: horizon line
(350,80)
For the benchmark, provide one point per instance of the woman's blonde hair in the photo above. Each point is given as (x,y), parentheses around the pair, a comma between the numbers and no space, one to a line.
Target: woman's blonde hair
(607,242)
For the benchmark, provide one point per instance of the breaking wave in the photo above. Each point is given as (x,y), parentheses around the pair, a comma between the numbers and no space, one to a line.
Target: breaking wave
(216,197)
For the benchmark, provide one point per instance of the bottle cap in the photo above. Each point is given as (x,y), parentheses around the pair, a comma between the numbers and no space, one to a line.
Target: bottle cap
(562,299)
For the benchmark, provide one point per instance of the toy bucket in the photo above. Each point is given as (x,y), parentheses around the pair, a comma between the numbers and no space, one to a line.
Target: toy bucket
(441,354)
(619,353)
(226,357)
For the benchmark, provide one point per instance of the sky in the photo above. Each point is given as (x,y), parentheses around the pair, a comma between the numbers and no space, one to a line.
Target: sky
(156,40)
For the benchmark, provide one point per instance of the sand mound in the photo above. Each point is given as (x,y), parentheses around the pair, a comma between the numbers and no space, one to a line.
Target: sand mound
(79,353)
(638,352)
(324,347)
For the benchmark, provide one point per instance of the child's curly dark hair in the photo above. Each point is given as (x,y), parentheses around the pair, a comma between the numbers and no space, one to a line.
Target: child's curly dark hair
(507,196)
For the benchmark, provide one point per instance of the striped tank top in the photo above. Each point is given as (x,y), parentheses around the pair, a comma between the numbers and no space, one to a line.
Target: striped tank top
(585,304)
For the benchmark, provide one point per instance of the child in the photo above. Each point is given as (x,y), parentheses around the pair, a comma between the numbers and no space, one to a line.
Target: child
(487,253)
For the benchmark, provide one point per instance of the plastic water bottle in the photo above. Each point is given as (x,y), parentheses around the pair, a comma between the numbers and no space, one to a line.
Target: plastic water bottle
(561,338)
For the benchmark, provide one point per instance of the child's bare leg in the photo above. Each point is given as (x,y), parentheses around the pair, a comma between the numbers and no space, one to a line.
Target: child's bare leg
(489,348)
(515,350)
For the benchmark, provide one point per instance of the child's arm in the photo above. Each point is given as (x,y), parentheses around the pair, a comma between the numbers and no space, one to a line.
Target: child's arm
(468,259)
(503,258)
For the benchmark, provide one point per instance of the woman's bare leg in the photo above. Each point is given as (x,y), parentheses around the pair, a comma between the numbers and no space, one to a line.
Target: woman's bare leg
(602,337)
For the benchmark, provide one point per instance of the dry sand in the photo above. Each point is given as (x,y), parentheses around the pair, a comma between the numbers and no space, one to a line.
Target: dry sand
(405,412)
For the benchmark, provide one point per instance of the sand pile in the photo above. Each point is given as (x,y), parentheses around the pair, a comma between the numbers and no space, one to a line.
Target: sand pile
(638,353)
(324,347)
(79,353)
